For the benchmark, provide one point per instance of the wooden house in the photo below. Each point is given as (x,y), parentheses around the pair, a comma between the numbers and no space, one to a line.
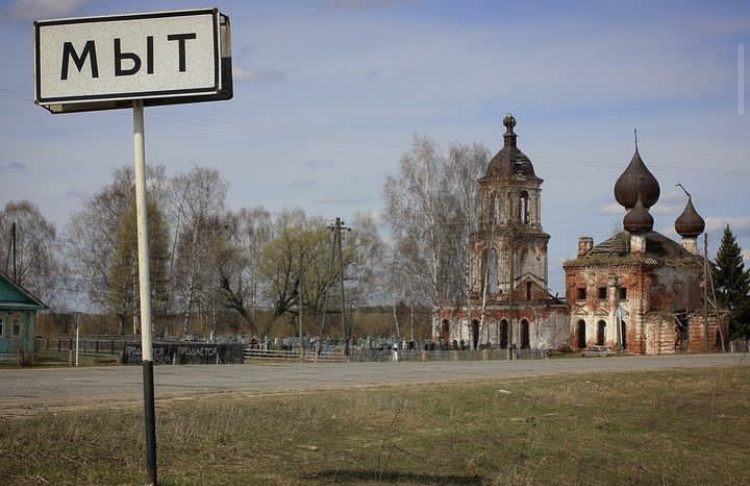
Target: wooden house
(18,308)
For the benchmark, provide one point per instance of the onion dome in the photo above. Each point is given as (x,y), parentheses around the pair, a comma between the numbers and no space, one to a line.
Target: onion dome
(510,160)
(689,224)
(638,219)
(637,181)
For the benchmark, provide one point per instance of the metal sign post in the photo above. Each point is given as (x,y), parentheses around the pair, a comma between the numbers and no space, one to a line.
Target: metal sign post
(144,283)
(78,334)
(134,60)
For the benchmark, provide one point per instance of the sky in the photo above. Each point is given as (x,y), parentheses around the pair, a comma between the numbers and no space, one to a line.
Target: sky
(329,93)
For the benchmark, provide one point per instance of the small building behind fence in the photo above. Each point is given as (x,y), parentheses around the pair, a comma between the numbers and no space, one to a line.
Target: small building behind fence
(18,309)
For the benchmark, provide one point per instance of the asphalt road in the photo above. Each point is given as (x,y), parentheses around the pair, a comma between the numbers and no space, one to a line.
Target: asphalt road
(27,390)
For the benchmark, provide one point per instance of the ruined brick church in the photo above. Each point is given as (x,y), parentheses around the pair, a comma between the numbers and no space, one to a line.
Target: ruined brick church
(638,290)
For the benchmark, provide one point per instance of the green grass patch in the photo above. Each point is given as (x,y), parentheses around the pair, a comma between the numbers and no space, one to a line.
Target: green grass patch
(65,358)
(652,428)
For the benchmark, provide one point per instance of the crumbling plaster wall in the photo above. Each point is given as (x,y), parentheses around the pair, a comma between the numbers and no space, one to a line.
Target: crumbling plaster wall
(548,324)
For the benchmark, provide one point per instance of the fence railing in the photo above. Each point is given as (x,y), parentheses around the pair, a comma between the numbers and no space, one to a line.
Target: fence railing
(383,355)
(493,354)
(308,355)
(103,345)
(117,344)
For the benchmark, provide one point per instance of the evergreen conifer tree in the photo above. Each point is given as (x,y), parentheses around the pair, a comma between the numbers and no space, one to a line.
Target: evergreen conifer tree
(732,283)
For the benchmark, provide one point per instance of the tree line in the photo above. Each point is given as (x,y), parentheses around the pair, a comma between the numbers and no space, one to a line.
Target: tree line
(207,262)
(211,263)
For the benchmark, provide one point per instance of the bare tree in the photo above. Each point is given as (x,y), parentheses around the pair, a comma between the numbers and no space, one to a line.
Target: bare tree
(237,258)
(431,205)
(31,258)
(91,237)
(198,204)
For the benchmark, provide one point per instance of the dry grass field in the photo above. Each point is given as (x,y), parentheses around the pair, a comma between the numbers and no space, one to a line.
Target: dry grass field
(653,428)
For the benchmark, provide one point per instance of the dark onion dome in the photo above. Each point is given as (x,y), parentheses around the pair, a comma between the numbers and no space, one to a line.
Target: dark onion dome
(689,224)
(637,181)
(510,160)
(638,219)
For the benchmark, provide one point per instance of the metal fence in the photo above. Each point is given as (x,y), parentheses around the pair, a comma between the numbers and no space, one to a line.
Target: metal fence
(95,344)
(492,354)
(383,355)
(308,355)
(330,354)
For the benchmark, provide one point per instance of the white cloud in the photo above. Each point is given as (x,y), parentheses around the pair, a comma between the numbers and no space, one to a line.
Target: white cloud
(673,210)
(41,9)
(746,257)
(738,224)
(612,208)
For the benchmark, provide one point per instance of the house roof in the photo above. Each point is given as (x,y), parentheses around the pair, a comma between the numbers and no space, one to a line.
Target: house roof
(660,250)
(14,297)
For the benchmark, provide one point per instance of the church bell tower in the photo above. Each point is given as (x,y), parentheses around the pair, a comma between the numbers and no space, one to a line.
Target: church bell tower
(509,251)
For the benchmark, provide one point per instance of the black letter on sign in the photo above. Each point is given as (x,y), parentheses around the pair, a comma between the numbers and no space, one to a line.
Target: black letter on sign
(150,55)
(181,38)
(70,51)
(119,56)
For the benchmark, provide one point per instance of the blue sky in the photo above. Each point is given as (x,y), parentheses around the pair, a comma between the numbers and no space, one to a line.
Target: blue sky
(329,92)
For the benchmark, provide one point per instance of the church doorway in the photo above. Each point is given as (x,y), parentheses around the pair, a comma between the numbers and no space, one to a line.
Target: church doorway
(601,333)
(475,333)
(581,333)
(525,335)
(504,334)
(446,330)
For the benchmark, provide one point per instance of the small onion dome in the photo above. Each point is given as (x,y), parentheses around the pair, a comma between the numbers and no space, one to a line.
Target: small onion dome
(689,224)
(638,219)
(637,181)
(510,160)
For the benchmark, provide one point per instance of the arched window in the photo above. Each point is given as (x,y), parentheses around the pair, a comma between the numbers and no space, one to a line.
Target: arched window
(581,333)
(494,208)
(601,332)
(504,333)
(528,290)
(475,333)
(491,270)
(523,208)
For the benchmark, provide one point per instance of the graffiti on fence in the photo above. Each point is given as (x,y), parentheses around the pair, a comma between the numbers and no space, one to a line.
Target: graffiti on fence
(186,353)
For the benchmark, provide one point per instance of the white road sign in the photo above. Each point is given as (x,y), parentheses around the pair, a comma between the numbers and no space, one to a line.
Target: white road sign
(93,63)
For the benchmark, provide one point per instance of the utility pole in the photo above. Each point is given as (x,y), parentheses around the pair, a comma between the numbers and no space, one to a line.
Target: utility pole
(337,228)
(705,292)
(13,241)
(347,331)
(329,273)
(301,303)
